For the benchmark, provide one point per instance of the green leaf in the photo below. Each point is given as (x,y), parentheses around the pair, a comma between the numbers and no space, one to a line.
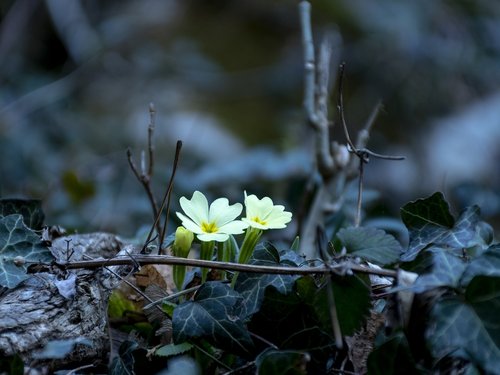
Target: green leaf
(429,221)
(19,246)
(215,315)
(352,299)
(119,304)
(392,357)
(316,342)
(265,254)
(123,363)
(252,286)
(30,209)
(282,362)
(173,349)
(445,270)
(295,244)
(469,328)
(487,264)
(58,349)
(371,244)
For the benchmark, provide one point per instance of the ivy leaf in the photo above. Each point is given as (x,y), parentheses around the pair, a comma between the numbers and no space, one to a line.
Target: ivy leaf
(281,362)
(469,328)
(252,286)
(446,269)
(214,315)
(392,357)
(371,244)
(30,209)
(429,221)
(19,246)
(171,350)
(123,363)
(352,298)
(487,264)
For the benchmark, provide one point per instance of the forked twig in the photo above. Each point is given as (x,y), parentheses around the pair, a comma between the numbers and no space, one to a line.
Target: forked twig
(363,153)
(168,193)
(145,175)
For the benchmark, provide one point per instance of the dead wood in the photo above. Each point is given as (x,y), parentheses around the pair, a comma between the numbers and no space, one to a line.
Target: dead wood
(35,312)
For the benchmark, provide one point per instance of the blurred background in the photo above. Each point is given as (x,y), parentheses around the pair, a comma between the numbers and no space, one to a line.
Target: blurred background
(226,78)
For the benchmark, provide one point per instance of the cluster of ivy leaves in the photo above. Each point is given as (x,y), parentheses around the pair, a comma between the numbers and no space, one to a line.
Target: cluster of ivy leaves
(282,324)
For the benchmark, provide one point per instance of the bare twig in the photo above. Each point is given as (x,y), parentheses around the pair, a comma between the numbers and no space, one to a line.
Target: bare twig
(171,260)
(146,173)
(361,151)
(168,193)
(165,201)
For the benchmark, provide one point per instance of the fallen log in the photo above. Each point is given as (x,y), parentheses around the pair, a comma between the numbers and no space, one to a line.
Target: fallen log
(56,304)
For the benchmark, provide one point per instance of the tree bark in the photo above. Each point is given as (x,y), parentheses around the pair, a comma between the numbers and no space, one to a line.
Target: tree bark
(35,312)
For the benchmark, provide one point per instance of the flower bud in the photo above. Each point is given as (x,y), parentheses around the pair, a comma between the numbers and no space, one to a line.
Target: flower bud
(182,243)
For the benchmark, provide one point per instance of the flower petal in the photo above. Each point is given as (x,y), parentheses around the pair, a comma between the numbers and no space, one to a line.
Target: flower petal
(220,237)
(196,208)
(279,220)
(233,227)
(254,224)
(189,224)
(222,213)
(256,207)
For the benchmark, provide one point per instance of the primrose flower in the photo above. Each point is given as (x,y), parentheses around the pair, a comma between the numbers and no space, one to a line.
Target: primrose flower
(214,223)
(263,214)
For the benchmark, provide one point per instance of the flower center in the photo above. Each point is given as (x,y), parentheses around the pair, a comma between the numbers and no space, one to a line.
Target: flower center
(259,221)
(209,227)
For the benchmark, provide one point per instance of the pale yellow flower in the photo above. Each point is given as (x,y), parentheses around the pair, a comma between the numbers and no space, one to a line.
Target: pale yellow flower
(214,223)
(264,214)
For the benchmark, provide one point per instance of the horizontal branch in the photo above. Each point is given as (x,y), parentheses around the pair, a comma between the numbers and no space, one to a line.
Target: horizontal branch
(170,260)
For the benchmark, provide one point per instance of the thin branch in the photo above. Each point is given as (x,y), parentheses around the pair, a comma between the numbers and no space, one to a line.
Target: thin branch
(151,130)
(340,107)
(171,260)
(146,173)
(168,193)
(166,200)
(363,154)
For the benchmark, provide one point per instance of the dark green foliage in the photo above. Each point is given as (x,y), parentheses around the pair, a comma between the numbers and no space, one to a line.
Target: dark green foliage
(170,350)
(430,222)
(468,328)
(373,245)
(392,357)
(215,314)
(289,362)
(352,298)
(30,209)
(283,323)
(123,363)
(252,286)
(19,246)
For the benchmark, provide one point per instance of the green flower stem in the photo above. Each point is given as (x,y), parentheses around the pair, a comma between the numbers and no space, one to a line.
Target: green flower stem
(179,274)
(206,253)
(180,248)
(251,237)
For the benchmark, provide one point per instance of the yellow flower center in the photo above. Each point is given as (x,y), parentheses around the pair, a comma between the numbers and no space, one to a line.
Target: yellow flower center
(209,227)
(259,221)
